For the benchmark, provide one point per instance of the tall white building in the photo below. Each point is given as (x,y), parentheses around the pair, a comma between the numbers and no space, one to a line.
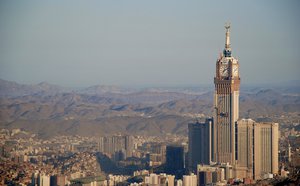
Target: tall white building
(190,180)
(44,180)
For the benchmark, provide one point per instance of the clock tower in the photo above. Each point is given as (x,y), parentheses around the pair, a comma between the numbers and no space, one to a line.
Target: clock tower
(226,104)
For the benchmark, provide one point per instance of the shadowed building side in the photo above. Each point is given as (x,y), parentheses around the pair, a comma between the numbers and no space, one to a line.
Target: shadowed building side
(175,160)
(199,144)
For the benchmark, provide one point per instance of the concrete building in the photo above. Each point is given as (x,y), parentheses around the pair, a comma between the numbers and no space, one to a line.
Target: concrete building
(153,179)
(116,146)
(190,180)
(179,182)
(44,180)
(160,179)
(115,179)
(228,170)
(58,180)
(257,149)
(265,149)
(289,153)
(175,160)
(244,148)
(208,175)
(170,180)
(199,144)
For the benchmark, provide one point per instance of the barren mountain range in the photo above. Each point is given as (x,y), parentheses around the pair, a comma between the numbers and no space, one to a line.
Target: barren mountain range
(102,110)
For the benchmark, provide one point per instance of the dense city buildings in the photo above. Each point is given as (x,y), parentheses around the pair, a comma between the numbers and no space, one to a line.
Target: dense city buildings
(117,147)
(73,160)
(160,179)
(53,161)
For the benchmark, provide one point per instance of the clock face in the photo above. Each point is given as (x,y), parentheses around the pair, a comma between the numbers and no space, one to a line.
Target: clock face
(224,70)
(235,70)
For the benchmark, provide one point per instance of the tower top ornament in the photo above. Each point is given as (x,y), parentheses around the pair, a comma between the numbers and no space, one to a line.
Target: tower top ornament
(227,50)
(227,26)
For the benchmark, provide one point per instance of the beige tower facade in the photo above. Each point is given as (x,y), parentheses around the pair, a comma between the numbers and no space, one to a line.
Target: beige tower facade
(244,148)
(265,149)
(226,105)
(257,149)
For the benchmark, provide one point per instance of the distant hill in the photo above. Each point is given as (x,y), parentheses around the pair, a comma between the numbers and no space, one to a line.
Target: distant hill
(13,89)
(101,110)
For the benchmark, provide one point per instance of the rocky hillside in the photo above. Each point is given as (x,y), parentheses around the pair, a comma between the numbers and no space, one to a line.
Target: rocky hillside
(51,110)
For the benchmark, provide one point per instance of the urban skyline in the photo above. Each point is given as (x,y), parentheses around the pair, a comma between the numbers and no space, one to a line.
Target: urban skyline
(223,150)
(247,149)
(113,136)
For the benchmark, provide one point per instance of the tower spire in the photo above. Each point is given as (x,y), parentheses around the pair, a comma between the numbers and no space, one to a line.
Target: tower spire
(227,39)
(227,50)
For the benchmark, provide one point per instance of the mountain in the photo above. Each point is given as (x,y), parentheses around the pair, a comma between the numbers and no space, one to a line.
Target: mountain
(104,89)
(13,89)
(268,102)
(100,110)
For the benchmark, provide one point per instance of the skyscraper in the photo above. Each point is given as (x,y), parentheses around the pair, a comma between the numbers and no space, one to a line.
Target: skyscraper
(257,149)
(175,160)
(226,104)
(199,144)
(265,149)
(244,148)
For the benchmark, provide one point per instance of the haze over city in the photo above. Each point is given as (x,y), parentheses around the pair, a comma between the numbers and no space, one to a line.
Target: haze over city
(208,93)
(146,43)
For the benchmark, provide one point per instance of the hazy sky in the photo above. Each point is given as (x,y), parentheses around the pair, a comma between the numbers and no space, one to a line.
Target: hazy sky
(151,43)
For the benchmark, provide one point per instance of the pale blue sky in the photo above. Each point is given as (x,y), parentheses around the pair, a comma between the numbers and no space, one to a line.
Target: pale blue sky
(146,43)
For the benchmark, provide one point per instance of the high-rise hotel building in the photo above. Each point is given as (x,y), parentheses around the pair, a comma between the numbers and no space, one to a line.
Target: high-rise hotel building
(226,104)
(257,149)
(251,148)
(199,144)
